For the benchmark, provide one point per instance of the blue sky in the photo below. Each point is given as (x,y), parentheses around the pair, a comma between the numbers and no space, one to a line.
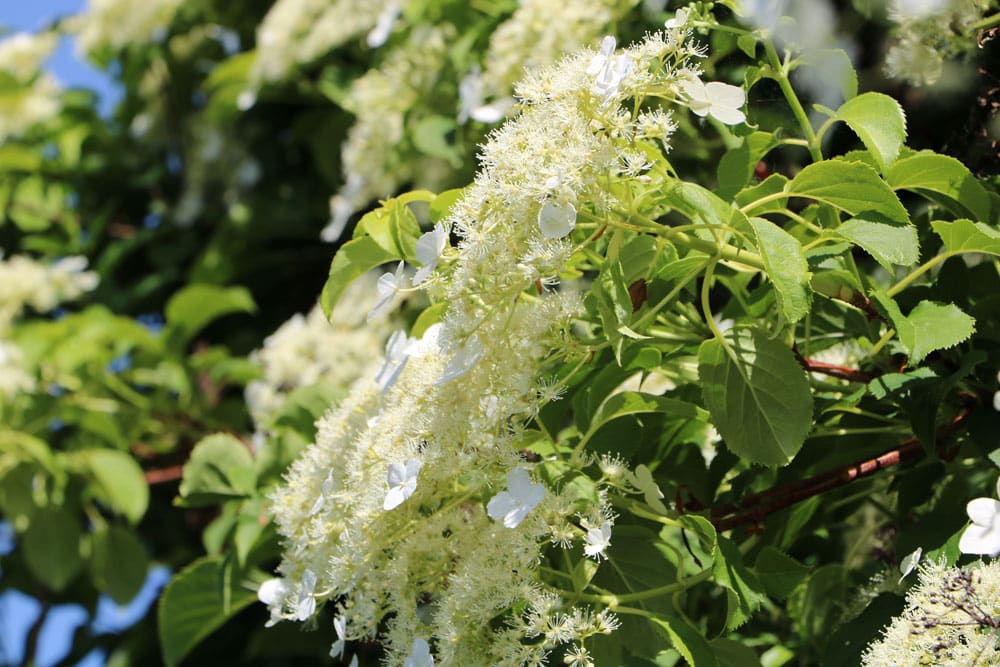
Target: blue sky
(32,15)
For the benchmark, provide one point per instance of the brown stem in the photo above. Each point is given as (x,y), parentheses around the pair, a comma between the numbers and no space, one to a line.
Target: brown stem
(164,475)
(833,370)
(756,507)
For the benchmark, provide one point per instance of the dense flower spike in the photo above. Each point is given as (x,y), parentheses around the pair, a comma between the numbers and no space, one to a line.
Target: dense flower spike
(424,494)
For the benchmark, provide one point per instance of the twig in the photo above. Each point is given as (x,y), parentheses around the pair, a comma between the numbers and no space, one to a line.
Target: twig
(164,475)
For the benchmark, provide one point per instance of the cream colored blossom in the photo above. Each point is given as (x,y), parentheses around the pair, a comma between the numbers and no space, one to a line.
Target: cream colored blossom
(118,24)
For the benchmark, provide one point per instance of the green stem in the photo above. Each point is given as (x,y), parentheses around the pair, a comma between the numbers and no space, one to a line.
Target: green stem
(613,601)
(882,342)
(986,22)
(781,76)
(924,268)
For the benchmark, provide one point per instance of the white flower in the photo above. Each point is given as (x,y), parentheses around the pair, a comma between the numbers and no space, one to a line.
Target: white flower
(429,249)
(337,650)
(472,102)
(720,100)
(402,480)
(679,20)
(983,536)
(396,356)
(272,593)
(463,361)
(521,496)
(909,563)
(306,603)
(383,25)
(387,286)
(597,540)
(643,481)
(610,70)
(420,655)
(556,220)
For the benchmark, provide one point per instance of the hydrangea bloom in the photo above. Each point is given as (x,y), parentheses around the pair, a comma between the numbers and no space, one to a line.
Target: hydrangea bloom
(983,536)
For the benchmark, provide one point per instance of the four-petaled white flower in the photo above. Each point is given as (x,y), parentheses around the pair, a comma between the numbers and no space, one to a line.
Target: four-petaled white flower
(429,249)
(679,20)
(272,593)
(597,540)
(463,360)
(522,496)
(610,70)
(716,99)
(387,286)
(420,655)
(402,479)
(983,536)
(306,603)
(556,220)
(396,355)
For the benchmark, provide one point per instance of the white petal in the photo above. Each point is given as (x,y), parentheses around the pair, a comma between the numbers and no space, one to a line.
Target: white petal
(608,45)
(305,608)
(489,113)
(272,591)
(514,517)
(727,115)
(984,512)
(500,505)
(519,482)
(555,220)
(979,540)
(725,94)
(396,475)
(431,244)
(463,361)
(394,498)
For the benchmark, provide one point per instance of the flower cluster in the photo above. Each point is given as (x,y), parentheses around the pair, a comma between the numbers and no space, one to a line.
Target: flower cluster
(951,619)
(414,513)
(118,24)
(35,97)
(929,32)
(298,32)
(308,350)
(27,283)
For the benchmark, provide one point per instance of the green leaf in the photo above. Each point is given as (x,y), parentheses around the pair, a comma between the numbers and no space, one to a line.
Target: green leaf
(428,317)
(52,547)
(743,590)
(393,226)
(434,136)
(442,204)
(786,267)
(118,563)
(354,259)
(758,396)
(779,573)
(929,173)
(889,242)
(120,480)
(880,123)
(634,402)
(853,187)
(968,236)
(688,641)
(196,602)
(220,468)
(929,326)
(737,165)
(195,306)
(731,653)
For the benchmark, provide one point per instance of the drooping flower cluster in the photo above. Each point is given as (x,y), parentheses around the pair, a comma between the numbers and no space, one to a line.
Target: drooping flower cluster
(297,32)
(930,32)
(414,512)
(118,24)
(308,350)
(34,96)
(952,619)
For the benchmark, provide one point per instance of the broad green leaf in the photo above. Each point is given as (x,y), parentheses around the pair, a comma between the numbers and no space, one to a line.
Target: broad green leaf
(634,402)
(428,317)
(737,165)
(700,205)
(817,605)
(778,572)
(879,122)
(769,187)
(929,326)
(220,468)
(786,268)
(52,547)
(354,259)
(118,563)
(688,641)
(393,226)
(889,242)
(929,173)
(743,590)
(758,396)
(191,309)
(968,236)
(434,136)
(199,599)
(731,653)
(120,481)
(853,187)
(441,205)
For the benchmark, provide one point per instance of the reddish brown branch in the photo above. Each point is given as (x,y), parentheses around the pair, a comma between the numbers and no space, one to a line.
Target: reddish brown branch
(833,370)
(164,475)
(756,507)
